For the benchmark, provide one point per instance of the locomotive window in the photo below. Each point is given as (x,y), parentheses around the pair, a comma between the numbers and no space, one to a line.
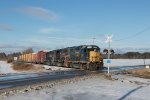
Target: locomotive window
(77,48)
(89,47)
(94,47)
(84,50)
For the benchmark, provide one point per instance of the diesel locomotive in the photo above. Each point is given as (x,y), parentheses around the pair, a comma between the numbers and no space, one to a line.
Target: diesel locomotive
(87,57)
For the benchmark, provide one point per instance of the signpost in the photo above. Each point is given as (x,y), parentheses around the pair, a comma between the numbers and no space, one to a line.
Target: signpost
(108,61)
(109,40)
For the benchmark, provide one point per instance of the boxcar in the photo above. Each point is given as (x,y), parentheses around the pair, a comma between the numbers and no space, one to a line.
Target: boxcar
(41,57)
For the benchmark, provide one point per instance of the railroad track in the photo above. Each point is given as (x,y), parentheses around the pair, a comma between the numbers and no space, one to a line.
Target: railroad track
(10,81)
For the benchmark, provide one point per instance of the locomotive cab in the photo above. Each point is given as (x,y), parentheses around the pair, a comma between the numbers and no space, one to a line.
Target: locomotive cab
(93,56)
(91,53)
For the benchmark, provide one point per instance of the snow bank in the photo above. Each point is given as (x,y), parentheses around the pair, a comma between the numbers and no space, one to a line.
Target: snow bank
(55,68)
(5,68)
(127,62)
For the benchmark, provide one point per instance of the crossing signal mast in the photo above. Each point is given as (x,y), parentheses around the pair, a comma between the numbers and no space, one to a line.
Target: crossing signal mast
(108,40)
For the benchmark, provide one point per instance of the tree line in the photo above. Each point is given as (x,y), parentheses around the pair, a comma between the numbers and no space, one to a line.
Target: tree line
(128,55)
(3,56)
(10,57)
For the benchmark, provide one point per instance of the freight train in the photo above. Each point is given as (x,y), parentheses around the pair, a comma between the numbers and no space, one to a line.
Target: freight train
(87,57)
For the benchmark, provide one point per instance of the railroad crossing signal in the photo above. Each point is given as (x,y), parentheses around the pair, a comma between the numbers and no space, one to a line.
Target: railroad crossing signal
(108,40)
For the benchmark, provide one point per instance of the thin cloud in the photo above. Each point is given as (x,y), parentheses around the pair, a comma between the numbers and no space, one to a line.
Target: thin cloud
(6,28)
(10,46)
(39,12)
(49,30)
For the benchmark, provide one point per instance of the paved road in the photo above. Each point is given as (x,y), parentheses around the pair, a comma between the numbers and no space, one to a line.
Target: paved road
(14,80)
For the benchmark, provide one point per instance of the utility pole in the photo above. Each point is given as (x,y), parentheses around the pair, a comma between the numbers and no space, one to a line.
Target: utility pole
(93,40)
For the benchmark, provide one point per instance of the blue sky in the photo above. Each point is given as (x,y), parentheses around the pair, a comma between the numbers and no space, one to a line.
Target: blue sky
(52,24)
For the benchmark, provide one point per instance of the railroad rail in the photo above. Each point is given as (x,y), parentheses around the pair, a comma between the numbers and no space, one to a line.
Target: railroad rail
(10,81)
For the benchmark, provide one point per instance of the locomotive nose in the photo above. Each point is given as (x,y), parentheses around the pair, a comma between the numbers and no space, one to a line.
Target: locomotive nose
(95,56)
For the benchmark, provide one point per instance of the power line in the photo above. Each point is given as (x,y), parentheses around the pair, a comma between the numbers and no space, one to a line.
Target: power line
(134,35)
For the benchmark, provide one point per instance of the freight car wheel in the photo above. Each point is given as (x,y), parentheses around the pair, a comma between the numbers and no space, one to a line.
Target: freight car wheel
(71,65)
(101,66)
(83,66)
(68,65)
(96,66)
(92,67)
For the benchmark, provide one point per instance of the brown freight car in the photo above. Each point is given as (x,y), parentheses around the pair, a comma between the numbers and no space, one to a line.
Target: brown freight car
(41,57)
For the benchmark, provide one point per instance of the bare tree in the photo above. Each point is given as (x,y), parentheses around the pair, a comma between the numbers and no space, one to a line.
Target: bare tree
(2,56)
(29,50)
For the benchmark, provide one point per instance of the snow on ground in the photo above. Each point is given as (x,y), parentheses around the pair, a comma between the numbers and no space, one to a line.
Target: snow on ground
(93,89)
(127,62)
(55,68)
(5,68)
